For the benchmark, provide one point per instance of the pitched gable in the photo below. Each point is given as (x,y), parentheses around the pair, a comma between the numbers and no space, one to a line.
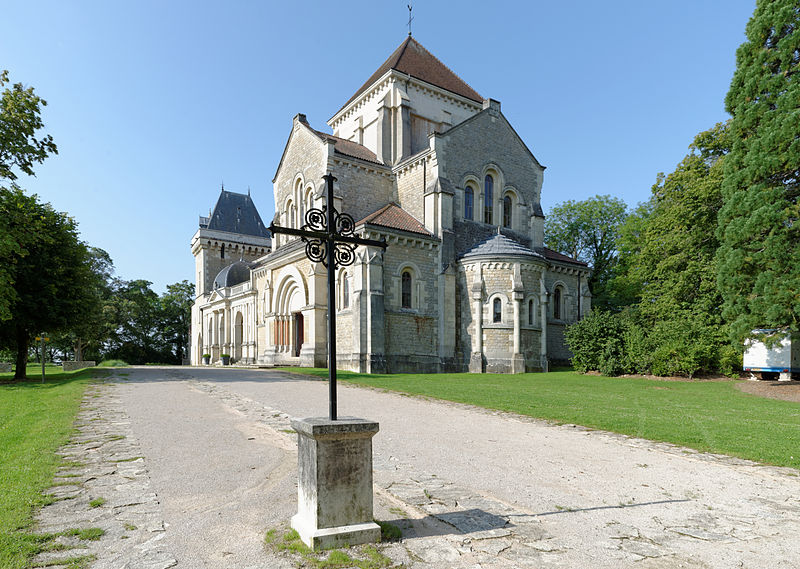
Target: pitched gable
(413,59)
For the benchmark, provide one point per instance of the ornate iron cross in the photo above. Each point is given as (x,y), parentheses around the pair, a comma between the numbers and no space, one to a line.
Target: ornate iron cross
(330,239)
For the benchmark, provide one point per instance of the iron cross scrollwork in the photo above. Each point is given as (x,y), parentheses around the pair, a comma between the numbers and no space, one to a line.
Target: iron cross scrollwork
(317,247)
(330,239)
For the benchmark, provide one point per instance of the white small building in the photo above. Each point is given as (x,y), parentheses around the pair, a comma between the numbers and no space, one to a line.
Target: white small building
(781,361)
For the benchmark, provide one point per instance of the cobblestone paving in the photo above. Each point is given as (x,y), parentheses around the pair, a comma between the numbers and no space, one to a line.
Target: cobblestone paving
(443,524)
(104,464)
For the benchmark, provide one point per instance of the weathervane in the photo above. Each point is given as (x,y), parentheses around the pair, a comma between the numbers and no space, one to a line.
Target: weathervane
(330,239)
(410,18)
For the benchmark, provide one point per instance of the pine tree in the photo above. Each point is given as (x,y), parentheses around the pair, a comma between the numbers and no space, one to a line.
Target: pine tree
(759,225)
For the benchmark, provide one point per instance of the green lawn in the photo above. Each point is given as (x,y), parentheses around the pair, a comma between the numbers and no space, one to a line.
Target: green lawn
(35,420)
(710,416)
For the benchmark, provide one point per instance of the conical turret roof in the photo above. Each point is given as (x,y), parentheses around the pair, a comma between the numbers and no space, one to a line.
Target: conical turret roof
(500,246)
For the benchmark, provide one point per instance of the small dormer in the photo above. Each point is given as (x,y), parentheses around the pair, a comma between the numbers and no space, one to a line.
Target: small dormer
(410,96)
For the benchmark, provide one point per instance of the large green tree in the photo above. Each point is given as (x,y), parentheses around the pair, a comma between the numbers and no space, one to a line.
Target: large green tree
(670,253)
(758,270)
(53,282)
(176,312)
(20,120)
(587,230)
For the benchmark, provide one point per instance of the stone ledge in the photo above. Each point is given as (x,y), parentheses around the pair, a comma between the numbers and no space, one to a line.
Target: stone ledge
(72,366)
(321,426)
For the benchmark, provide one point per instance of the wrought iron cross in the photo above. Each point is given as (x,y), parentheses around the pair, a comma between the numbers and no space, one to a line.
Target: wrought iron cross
(330,239)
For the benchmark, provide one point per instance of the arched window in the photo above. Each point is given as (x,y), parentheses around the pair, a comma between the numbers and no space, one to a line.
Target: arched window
(507,211)
(345,291)
(497,310)
(557,303)
(531,312)
(488,198)
(469,200)
(405,293)
(222,251)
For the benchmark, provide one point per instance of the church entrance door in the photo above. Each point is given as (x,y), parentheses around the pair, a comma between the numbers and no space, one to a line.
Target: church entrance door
(298,333)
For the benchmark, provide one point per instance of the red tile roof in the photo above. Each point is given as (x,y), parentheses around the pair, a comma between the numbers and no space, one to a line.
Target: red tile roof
(395,217)
(556,256)
(349,148)
(413,59)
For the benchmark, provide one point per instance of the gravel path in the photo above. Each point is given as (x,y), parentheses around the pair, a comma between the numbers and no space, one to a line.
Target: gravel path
(470,488)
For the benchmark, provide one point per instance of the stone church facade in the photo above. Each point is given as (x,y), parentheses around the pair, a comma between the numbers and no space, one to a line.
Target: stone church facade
(465,284)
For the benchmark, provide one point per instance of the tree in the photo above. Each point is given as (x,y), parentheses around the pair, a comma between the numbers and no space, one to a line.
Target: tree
(176,313)
(758,273)
(587,230)
(133,312)
(666,270)
(52,282)
(20,119)
(670,256)
(88,335)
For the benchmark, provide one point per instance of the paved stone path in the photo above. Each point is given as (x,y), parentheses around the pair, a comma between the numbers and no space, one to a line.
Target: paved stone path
(470,488)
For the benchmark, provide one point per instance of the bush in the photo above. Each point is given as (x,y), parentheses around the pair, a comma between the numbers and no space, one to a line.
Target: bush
(685,345)
(595,341)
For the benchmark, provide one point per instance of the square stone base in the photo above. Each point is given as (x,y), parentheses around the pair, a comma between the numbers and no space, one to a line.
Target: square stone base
(334,482)
(340,536)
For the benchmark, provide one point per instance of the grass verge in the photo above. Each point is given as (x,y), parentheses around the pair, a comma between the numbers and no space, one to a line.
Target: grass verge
(362,557)
(35,420)
(710,416)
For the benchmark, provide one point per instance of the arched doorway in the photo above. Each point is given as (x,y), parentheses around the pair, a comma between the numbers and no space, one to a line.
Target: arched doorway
(299,333)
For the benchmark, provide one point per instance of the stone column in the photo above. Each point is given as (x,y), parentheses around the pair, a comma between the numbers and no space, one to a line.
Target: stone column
(517,359)
(543,301)
(334,490)
(476,359)
(376,313)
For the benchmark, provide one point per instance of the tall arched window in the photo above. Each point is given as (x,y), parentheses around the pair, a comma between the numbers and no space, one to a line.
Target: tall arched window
(531,312)
(405,293)
(488,199)
(345,291)
(222,251)
(497,310)
(506,211)
(557,303)
(469,200)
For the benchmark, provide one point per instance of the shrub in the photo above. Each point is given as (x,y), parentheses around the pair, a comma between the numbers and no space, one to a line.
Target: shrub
(594,341)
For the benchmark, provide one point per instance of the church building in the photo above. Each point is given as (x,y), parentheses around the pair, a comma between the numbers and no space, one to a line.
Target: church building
(465,283)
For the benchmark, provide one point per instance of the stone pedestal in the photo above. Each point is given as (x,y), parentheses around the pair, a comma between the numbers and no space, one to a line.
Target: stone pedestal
(518,363)
(476,363)
(334,482)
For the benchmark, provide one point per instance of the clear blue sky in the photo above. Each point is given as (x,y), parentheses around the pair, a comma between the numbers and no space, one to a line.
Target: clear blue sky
(154,103)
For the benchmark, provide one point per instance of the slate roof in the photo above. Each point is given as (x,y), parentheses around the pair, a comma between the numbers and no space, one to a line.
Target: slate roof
(414,60)
(395,217)
(500,246)
(349,148)
(235,213)
(233,274)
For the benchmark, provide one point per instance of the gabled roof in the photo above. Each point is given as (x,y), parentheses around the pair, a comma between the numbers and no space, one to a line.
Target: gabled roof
(348,147)
(556,256)
(395,217)
(235,213)
(414,60)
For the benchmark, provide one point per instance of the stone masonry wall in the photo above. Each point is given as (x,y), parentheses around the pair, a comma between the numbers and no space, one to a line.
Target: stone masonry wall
(411,334)
(487,139)
(364,188)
